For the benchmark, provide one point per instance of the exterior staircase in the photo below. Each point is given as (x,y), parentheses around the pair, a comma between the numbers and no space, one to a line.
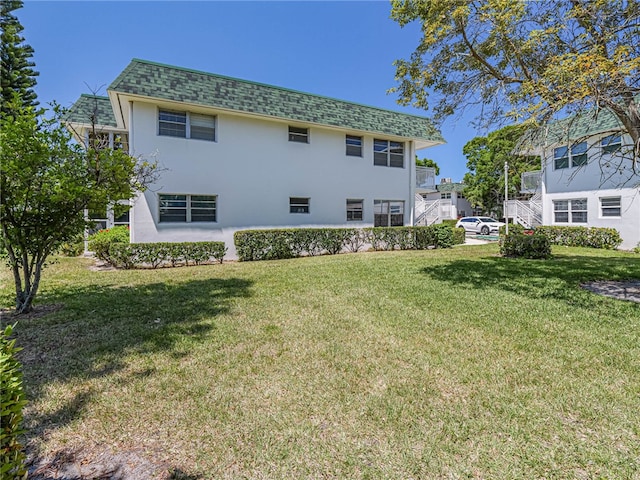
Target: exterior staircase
(526,213)
(426,212)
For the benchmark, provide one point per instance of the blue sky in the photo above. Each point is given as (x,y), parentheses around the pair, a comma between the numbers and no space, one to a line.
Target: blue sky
(342,49)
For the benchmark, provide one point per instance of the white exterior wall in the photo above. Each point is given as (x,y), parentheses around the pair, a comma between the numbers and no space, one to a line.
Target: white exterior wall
(605,175)
(459,207)
(253,169)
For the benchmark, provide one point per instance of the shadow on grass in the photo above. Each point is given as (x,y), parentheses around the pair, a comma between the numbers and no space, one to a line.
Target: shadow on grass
(558,278)
(100,325)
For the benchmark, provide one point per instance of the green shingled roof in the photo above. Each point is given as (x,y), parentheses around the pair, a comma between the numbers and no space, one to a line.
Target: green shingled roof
(171,83)
(88,105)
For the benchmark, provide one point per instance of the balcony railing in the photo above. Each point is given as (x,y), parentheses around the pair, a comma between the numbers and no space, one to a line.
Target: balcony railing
(426,178)
(531,182)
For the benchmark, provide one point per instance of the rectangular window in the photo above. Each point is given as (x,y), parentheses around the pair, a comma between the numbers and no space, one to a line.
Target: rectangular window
(354,210)
(388,213)
(445,196)
(388,154)
(187,208)
(570,211)
(187,125)
(560,158)
(611,143)
(611,206)
(579,154)
(298,205)
(172,124)
(354,145)
(297,134)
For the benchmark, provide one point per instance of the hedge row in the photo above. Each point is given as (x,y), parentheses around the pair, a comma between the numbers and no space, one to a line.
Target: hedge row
(282,243)
(133,255)
(594,237)
(524,245)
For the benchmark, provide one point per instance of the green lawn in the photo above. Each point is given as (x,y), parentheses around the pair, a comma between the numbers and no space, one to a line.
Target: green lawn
(435,364)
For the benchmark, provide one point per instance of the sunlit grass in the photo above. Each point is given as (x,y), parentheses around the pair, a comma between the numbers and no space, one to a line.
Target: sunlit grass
(438,364)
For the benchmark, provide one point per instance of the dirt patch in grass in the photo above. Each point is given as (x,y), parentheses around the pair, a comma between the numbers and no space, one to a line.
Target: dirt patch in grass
(628,290)
(96,463)
(38,311)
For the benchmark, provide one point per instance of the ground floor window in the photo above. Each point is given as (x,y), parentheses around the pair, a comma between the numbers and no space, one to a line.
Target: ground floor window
(388,213)
(570,211)
(298,205)
(611,206)
(354,209)
(188,208)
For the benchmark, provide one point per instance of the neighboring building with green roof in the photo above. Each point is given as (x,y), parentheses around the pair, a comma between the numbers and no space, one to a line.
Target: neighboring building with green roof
(588,177)
(238,154)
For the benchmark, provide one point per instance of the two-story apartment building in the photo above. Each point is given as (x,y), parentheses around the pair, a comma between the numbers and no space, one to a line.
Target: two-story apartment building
(587,177)
(237,154)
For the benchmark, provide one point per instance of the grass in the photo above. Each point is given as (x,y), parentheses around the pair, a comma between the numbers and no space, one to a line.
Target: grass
(437,364)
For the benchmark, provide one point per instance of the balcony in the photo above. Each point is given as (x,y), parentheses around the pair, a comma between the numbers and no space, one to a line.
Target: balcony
(425,179)
(531,182)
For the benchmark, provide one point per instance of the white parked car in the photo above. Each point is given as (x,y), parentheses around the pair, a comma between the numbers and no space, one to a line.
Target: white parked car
(479,225)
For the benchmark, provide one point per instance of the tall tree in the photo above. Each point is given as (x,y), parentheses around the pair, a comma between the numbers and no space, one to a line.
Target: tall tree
(46,183)
(17,74)
(484,184)
(526,60)
(427,162)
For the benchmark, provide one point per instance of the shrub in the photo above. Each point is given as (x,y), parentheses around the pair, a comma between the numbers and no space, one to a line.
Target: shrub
(12,401)
(131,255)
(459,235)
(519,245)
(594,237)
(73,248)
(100,242)
(449,222)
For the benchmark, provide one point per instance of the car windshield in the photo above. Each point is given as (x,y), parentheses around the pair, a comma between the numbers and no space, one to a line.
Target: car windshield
(487,220)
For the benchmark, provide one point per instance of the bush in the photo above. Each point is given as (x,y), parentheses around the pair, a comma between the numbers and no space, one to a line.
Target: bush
(12,401)
(100,242)
(449,222)
(519,245)
(276,244)
(594,237)
(73,248)
(131,255)
(459,236)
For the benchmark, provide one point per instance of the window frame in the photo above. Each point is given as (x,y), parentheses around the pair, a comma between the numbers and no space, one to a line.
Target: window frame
(391,218)
(611,143)
(354,212)
(189,207)
(301,136)
(301,207)
(572,209)
(383,154)
(354,148)
(190,126)
(570,156)
(612,208)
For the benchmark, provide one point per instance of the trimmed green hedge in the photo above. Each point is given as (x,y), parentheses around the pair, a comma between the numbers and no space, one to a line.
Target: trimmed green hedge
(522,245)
(100,242)
(273,244)
(12,400)
(135,255)
(593,237)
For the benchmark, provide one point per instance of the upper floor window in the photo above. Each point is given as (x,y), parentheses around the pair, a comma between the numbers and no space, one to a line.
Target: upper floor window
(187,125)
(388,154)
(354,145)
(611,143)
(565,157)
(188,208)
(297,134)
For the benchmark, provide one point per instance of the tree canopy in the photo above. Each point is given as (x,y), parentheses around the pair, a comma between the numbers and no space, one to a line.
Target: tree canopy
(427,162)
(484,184)
(46,183)
(524,60)
(17,76)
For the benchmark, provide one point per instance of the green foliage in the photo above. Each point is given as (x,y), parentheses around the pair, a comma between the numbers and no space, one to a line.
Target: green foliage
(594,237)
(132,255)
(450,222)
(283,243)
(427,162)
(17,77)
(484,183)
(12,401)
(459,236)
(520,245)
(46,182)
(523,60)
(73,248)
(100,242)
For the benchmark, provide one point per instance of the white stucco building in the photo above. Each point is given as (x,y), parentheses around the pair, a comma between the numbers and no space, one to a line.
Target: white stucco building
(587,178)
(238,155)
